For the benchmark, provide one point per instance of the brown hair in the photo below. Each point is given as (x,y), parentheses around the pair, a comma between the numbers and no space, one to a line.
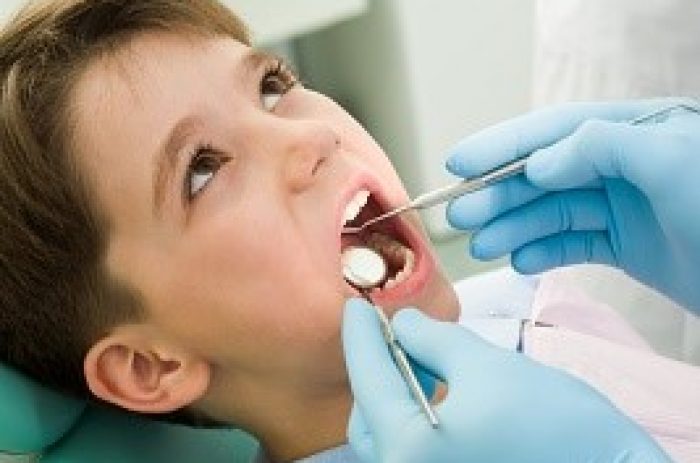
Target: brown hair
(56,298)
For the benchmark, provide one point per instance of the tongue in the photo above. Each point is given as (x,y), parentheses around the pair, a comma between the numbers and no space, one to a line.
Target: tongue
(393,251)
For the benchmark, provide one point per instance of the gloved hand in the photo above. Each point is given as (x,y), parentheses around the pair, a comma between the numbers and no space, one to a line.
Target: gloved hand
(500,407)
(596,189)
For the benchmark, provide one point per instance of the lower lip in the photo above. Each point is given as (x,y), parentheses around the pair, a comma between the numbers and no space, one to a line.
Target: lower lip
(411,287)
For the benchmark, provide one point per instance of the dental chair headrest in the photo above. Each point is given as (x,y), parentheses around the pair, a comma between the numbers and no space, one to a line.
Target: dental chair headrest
(32,417)
(39,424)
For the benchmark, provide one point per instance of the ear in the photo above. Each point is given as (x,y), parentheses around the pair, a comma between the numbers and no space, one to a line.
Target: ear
(131,369)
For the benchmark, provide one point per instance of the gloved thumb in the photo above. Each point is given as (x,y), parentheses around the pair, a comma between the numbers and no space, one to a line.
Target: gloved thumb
(379,390)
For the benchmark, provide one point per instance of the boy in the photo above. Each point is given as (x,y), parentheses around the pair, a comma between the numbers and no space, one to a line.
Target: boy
(172,211)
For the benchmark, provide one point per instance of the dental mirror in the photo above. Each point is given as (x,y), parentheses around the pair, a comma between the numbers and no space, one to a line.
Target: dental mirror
(363,268)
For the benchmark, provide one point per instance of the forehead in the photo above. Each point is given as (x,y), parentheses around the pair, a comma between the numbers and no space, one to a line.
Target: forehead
(149,67)
(142,89)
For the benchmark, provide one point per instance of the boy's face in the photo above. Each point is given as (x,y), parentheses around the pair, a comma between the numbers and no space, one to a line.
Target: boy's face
(226,204)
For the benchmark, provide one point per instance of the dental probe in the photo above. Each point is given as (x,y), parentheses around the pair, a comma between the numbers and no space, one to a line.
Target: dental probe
(446,193)
(365,269)
(470,185)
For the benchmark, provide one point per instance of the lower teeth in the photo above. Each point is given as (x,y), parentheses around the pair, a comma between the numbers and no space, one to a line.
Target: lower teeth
(397,256)
(404,273)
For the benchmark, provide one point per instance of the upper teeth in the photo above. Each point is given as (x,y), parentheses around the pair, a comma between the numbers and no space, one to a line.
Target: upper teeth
(352,210)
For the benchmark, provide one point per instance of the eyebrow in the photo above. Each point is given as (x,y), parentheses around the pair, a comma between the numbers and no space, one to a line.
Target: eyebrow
(168,154)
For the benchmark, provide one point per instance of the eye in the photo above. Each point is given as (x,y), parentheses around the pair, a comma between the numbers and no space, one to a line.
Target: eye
(204,165)
(277,80)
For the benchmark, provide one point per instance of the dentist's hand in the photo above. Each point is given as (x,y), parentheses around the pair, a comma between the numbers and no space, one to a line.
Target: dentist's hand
(596,189)
(500,407)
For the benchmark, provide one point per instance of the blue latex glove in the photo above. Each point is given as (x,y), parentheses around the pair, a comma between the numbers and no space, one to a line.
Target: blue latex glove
(597,189)
(501,406)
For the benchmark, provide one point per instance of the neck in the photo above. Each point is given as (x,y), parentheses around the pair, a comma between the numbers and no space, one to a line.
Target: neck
(305,429)
(290,422)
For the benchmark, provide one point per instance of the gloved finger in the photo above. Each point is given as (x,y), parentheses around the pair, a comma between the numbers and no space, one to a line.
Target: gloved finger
(564,249)
(360,437)
(575,210)
(475,209)
(610,150)
(522,135)
(378,388)
(596,149)
(446,349)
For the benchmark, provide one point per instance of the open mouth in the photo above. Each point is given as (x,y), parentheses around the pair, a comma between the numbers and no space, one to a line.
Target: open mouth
(390,238)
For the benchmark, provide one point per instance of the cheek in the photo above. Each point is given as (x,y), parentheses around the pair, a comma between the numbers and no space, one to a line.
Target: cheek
(247,292)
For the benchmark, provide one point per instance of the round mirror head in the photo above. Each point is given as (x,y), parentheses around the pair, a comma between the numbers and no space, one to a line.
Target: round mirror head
(364,268)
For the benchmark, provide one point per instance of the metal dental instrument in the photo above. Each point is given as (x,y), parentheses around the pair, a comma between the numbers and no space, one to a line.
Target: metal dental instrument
(365,269)
(470,185)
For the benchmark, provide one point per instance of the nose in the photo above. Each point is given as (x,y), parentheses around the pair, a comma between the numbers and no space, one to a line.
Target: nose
(308,146)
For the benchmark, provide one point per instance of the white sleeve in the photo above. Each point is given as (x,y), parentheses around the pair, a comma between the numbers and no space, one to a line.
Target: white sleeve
(493,303)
